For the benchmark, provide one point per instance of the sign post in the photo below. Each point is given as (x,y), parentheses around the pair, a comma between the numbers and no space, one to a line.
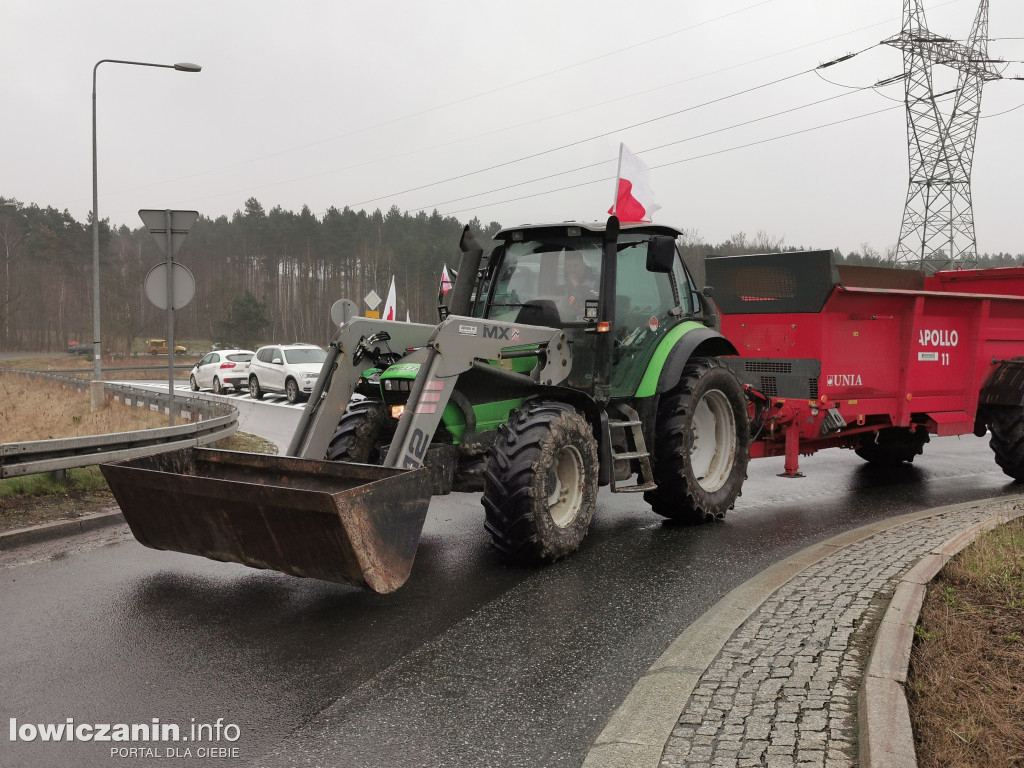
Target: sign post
(169,229)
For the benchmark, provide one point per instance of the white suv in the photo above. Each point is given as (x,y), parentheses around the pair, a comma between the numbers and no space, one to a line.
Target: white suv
(288,368)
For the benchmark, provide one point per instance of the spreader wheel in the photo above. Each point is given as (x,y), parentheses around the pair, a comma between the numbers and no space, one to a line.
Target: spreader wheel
(893,446)
(1007,427)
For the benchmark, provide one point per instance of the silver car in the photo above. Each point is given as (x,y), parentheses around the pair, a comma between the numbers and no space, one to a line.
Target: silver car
(288,368)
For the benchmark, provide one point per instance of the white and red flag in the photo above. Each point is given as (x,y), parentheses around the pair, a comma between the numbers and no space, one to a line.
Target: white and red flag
(634,198)
(389,305)
(446,280)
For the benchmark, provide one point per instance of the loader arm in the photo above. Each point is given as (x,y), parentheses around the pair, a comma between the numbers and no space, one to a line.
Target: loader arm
(452,348)
(345,362)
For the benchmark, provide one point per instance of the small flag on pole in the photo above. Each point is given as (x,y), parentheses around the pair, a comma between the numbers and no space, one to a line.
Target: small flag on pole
(634,198)
(446,280)
(389,305)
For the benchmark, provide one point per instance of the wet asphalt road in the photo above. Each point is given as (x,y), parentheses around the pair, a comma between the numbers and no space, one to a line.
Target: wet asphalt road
(472,663)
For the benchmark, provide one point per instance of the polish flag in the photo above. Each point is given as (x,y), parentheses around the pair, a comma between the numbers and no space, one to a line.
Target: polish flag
(446,280)
(389,305)
(634,198)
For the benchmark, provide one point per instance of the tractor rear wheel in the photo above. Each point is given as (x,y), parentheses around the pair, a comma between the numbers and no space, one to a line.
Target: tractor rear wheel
(893,446)
(1007,427)
(540,485)
(365,428)
(701,444)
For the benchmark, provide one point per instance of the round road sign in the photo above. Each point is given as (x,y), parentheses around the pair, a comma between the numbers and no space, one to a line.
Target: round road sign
(156,285)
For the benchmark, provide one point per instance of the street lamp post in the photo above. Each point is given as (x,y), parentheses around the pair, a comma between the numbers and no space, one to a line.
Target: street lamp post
(183,67)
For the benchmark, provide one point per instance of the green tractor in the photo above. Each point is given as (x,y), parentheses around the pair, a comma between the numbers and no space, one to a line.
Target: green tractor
(646,407)
(573,356)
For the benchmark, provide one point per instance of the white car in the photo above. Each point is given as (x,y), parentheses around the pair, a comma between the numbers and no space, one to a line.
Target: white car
(220,369)
(288,368)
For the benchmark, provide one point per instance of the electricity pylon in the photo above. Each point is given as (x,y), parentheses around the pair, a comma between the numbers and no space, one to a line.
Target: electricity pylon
(938,220)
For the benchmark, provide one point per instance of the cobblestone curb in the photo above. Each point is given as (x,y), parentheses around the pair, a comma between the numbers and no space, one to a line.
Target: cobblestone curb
(770,675)
(59,529)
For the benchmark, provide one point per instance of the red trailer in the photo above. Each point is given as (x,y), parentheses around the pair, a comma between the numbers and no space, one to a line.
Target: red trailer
(873,359)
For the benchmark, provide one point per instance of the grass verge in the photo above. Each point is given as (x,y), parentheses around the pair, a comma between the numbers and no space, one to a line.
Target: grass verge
(966,680)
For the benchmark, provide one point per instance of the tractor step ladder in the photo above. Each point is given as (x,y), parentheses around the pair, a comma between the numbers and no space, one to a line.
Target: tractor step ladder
(622,416)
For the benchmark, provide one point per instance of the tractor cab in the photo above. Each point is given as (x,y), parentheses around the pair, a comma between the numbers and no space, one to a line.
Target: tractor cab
(624,288)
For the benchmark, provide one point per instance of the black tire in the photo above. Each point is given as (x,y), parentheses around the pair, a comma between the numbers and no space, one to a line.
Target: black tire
(192,383)
(701,444)
(217,388)
(892,447)
(540,485)
(365,428)
(255,392)
(1007,427)
(291,391)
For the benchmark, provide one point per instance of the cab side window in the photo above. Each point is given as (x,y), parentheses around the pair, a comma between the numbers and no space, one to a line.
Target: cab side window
(641,295)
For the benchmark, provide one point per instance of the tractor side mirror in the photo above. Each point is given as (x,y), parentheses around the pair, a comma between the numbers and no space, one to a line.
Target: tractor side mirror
(661,254)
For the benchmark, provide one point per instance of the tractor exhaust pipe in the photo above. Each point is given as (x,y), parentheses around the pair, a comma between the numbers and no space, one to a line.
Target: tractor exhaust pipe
(462,293)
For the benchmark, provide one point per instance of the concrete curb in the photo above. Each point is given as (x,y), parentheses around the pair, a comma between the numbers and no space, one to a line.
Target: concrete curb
(637,732)
(886,739)
(59,529)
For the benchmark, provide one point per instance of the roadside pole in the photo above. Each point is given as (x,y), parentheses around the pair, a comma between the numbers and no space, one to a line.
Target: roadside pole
(169,285)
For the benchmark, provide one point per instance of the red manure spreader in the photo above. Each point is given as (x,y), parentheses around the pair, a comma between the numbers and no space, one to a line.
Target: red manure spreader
(873,359)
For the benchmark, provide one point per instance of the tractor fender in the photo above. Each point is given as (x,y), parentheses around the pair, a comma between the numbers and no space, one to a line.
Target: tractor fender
(684,341)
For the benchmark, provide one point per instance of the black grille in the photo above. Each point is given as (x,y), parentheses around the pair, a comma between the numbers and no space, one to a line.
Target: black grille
(763,366)
(787,377)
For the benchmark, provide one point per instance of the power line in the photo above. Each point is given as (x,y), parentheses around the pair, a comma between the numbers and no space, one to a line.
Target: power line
(507,128)
(598,136)
(677,162)
(649,149)
(464,99)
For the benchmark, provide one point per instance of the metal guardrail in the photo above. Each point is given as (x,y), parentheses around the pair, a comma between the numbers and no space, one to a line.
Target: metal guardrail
(209,420)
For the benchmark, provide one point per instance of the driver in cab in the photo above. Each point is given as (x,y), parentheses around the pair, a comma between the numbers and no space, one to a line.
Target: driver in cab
(580,285)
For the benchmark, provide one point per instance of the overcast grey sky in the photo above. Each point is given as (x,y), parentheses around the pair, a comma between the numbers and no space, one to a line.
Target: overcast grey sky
(480,108)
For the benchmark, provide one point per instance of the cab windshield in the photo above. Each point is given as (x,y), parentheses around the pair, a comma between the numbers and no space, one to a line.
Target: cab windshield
(546,282)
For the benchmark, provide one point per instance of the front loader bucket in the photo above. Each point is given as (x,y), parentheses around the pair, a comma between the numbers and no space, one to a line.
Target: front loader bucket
(355,524)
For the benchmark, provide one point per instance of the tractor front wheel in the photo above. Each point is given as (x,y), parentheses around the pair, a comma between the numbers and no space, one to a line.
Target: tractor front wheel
(365,428)
(701,446)
(540,485)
